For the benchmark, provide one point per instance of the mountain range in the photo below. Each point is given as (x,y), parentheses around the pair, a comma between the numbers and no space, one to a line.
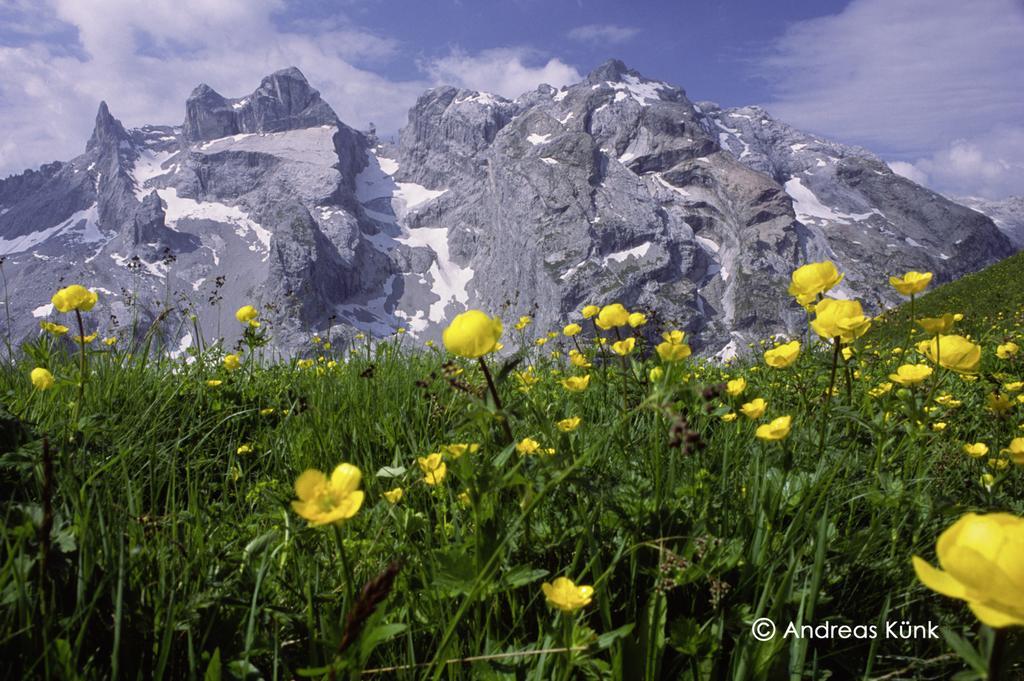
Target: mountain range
(616,188)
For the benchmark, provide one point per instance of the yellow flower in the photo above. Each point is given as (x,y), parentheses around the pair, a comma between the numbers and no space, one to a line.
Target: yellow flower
(1016,450)
(911,282)
(939,426)
(777,429)
(42,379)
(244,449)
(624,347)
(953,352)
(911,374)
(540,341)
(459,448)
(981,558)
(755,408)
(847,353)
(524,322)
(566,596)
(578,359)
(976,450)
(1014,387)
(324,500)
(676,336)
(840,318)
(637,319)
(74,297)
(882,389)
(110,340)
(656,374)
(736,386)
(781,356)
(673,352)
(527,446)
(998,403)
(570,424)
(591,311)
(472,334)
(730,417)
(937,325)
(987,481)
(232,362)
(571,329)
(576,384)
(266,411)
(394,495)
(303,363)
(612,316)
(527,379)
(434,469)
(213,383)
(463,498)
(55,329)
(998,464)
(1007,350)
(85,340)
(812,279)
(247,315)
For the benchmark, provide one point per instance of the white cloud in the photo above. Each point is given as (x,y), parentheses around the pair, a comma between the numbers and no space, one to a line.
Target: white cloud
(504,71)
(603,33)
(146,62)
(909,171)
(912,79)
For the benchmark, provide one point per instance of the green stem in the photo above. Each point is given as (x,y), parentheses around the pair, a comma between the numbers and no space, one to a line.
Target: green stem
(828,396)
(997,656)
(347,569)
(497,401)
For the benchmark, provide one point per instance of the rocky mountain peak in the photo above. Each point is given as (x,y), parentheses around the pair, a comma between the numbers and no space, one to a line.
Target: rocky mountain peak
(108,130)
(612,70)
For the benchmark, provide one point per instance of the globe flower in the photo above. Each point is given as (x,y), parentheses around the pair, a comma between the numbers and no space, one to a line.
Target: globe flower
(85,340)
(244,449)
(74,297)
(1007,350)
(576,384)
(952,352)
(394,495)
(998,404)
(524,322)
(624,347)
(729,418)
(55,329)
(976,449)
(911,282)
(232,362)
(590,311)
(570,424)
(755,408)
(324,500)
(1016,450)
(571,329)
(578,359)
(110,341)
(672,352)
(434,469)
(456,450)
(655,374)
(527,446)
(981,557)
(810,280)
(777,429)
(612,316)
(213,383)
(781,356)
(41,378)
(911,374)
(247,315)
(840,318)
(472,334)
(637,319)
(880,389)
(937,325)
(736,386)
(566,596)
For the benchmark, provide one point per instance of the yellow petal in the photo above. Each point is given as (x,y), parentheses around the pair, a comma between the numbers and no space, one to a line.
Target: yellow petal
(993,617)
(345,478)
(937,580)
(306,485)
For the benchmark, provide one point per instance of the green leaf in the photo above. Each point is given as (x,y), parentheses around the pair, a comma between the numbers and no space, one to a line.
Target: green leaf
(391,471)
(213,669)
(605,640)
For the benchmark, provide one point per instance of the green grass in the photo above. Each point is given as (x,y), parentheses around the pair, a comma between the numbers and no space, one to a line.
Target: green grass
(138,543)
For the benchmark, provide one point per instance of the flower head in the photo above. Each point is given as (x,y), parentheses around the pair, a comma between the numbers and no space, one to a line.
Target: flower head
(777,429)
(911,282)
(527,446)
(433,467)
(324,500)
(42,379)
(672,352)
(472,334)
(570,424)
(590,311)
(781,356)
(981,558)
(393,495)
(55,329)
(911,374)
(755,408)
(571,329)
(976,449)
(937,325)
(247,315)
(74,297)
(565,595)
(624,347)
(814,278)
(232,362)
(576,384)
(637,319)
(840,318)
(612,316)
(524,322)
(1016,450)
(736,386)
(1007,350)
(952,352)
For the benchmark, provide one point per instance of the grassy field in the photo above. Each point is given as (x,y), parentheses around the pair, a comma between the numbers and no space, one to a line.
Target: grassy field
(149,529)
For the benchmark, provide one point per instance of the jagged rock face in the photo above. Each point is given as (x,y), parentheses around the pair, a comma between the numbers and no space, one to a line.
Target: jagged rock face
(1007,214)
(616,188)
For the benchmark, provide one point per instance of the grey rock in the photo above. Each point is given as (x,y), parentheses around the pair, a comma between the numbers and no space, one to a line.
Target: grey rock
(1007,214)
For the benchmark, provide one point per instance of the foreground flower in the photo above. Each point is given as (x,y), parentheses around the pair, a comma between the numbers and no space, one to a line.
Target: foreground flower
(472,334)
(612,316)
(755,408)
(781,356)
(976,449)
(55,329)
(840,318)
(565,595)
(911,282)
(74,297)
(937,325)
(981,558)
(911,374)
(952,352)
(1007,350)
(42,379)
(576,384)
(570,424)
(812,279)
(433,467)
(247,315)
(394,495)
(777,429)
(624,347)
(232,362)
(673,352)
(1016,450)
(324,500)
(736,386)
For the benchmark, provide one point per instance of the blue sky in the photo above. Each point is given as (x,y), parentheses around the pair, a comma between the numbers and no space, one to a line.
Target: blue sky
(932,86)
